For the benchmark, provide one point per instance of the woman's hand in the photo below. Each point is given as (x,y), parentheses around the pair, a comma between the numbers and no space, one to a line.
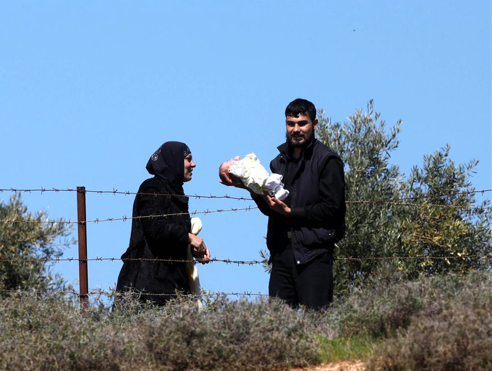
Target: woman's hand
(199,250)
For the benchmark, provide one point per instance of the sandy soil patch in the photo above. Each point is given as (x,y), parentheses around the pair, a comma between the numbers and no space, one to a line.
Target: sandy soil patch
(339,366)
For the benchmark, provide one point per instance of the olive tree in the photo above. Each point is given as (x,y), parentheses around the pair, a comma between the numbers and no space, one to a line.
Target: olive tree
(428,222)
(28,242)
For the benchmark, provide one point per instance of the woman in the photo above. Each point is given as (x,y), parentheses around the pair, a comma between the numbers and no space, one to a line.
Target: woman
(161,237)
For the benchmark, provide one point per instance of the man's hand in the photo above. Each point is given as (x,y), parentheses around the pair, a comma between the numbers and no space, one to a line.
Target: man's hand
(276,205)
(232,180)
(200,251)
(227,178)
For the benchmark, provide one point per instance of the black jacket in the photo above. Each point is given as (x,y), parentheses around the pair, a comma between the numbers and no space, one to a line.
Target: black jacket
(317,199)
(161,238)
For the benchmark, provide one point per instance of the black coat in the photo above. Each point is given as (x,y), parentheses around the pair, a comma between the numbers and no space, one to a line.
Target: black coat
(157,238)
(317,199)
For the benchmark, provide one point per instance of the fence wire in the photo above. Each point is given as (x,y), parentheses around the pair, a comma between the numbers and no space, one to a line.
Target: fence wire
(256,262)
(401,202)
(100,292)
(249,208)
(125,218)
(127,193)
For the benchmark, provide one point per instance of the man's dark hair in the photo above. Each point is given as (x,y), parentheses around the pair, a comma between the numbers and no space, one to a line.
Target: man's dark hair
(301,107)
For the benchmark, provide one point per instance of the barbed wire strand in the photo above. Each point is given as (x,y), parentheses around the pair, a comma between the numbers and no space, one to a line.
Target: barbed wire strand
(389,202)
(204,212)
(116,192)
(126,193)
(137,293)
(125,218)
(254,262)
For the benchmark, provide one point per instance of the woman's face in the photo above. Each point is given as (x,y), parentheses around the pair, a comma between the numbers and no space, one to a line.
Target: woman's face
(189,165)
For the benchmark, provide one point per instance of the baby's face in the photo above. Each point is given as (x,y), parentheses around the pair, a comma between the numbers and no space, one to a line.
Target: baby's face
(226,165)
(224,170)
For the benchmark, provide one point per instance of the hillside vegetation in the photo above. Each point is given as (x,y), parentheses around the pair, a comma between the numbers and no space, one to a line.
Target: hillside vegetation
(437,323)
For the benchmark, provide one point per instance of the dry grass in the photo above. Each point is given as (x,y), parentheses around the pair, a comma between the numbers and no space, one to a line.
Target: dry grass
(43,333)
(438,323)
(447,335)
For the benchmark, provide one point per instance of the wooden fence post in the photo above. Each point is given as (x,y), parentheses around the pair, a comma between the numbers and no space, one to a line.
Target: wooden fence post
(82,234)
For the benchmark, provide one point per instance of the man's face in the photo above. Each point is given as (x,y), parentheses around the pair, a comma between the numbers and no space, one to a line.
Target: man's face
(189,165)
(300,130)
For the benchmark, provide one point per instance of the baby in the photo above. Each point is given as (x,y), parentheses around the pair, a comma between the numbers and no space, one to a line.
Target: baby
(253,176)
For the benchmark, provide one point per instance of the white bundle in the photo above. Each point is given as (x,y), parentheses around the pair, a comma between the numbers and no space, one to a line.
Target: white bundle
(191,268)
(256,177)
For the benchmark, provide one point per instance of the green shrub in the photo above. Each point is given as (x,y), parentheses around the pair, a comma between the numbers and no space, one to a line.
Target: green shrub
(387,303)
(433,323)
(454,335)
(45,333)
(49,333)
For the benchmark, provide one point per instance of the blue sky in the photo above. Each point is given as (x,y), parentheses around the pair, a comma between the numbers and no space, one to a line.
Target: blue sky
(88,90)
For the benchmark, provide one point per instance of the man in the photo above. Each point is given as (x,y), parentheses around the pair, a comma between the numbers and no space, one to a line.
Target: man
(303,229)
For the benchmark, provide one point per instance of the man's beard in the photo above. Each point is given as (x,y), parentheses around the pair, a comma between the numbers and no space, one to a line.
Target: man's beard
(303,144)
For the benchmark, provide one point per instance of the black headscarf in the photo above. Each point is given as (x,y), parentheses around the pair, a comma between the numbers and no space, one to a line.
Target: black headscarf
(168,163)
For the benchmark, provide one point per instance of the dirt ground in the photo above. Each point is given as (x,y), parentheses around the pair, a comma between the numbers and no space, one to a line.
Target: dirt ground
(339,366)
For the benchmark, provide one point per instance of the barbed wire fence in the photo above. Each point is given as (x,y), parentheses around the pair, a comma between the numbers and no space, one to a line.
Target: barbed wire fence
(82,223)
(401,201)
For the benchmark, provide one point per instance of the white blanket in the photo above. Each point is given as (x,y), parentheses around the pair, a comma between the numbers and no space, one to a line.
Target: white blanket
(191,268)
(256,177)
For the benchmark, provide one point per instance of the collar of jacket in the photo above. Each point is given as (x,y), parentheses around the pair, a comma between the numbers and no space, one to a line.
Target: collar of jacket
(284,149)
